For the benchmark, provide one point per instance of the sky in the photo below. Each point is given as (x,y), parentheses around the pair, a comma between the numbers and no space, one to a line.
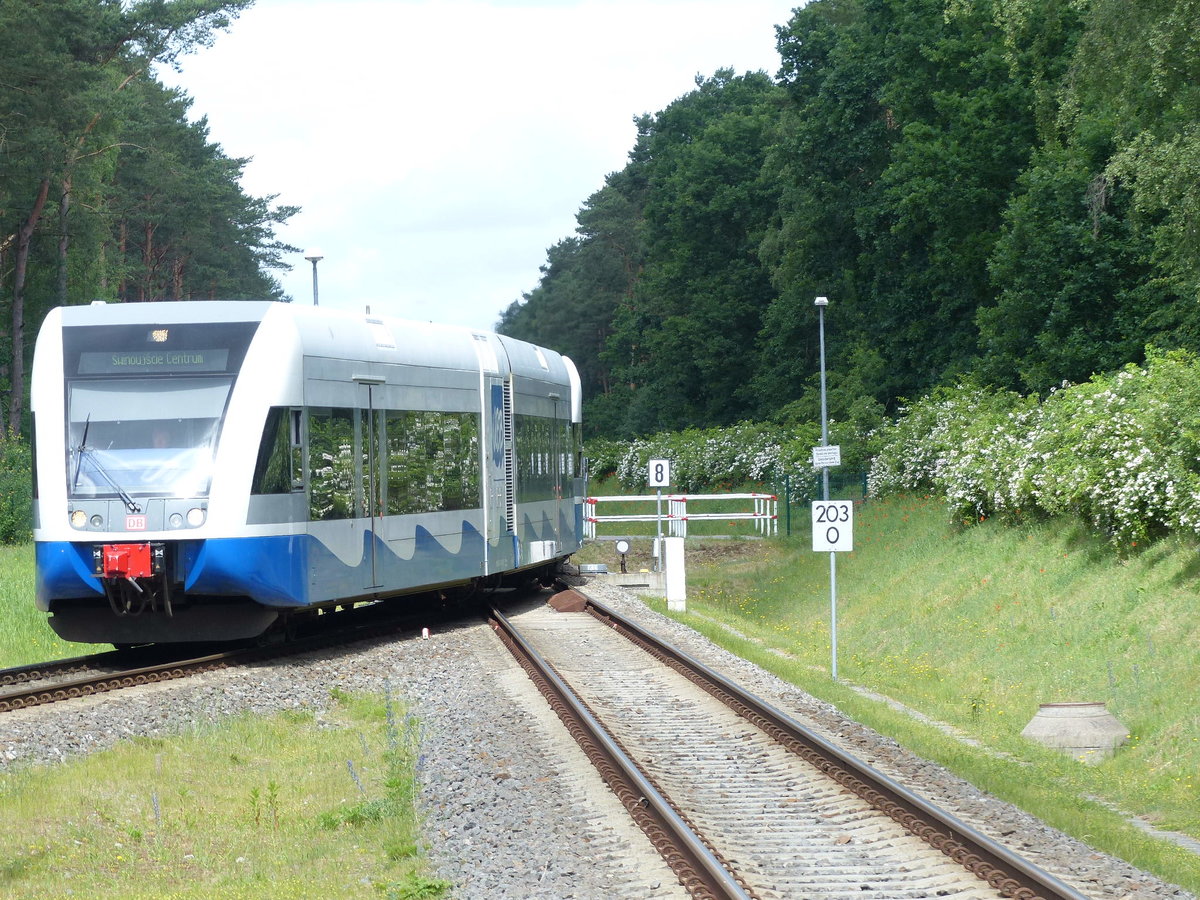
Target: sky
(437,149)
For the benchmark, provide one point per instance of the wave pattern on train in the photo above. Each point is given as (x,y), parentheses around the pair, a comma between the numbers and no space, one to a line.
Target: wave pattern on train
(210,471)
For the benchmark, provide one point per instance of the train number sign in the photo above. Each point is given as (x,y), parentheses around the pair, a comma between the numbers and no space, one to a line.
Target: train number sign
(833,526)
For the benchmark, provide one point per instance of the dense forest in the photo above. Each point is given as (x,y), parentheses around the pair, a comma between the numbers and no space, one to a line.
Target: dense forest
(107,191)
(1004,191)
(1001,190)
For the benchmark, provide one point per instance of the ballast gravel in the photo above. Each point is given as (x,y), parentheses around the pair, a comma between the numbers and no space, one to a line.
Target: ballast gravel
(511,809)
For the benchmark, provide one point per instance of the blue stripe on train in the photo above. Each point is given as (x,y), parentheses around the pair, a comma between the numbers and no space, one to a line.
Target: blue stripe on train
(282,570)
(63,569)
(271,570)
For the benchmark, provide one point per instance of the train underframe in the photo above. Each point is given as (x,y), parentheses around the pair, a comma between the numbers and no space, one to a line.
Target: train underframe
(144,603)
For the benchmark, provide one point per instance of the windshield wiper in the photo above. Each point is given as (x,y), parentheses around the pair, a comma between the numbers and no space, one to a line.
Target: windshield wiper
(79,452)
(130,504)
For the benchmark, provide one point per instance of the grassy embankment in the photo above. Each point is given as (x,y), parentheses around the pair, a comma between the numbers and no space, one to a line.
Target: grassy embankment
(288,806)
(975,627)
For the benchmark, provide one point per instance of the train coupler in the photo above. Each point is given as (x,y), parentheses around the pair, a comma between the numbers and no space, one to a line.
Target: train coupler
(128,561)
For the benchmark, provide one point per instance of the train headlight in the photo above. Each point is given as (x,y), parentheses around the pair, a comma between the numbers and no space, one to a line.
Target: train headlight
(176,520)
(78,518)
(97,520)
(195,517)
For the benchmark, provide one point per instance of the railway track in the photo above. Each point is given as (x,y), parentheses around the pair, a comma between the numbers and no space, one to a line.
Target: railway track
(38,684)
(52,669)
(52,688)
(741,800)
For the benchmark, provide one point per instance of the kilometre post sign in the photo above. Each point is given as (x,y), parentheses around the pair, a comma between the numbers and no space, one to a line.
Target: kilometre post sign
(659,474)
(833,526)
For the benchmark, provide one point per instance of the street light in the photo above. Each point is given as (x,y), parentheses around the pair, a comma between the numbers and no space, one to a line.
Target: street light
(314,256)
(820,303)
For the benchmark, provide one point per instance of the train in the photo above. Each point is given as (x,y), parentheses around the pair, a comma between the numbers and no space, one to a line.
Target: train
(217,471)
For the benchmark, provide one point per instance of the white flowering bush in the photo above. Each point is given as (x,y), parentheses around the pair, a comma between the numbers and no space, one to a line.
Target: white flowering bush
(980,454)
(910,451)
(711,458)
(1121,452)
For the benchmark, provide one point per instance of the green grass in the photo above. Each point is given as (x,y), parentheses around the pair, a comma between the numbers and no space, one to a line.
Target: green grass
(24,635)
(975,627)
(258,807)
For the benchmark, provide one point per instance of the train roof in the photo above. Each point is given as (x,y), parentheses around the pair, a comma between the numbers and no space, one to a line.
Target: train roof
(335,333)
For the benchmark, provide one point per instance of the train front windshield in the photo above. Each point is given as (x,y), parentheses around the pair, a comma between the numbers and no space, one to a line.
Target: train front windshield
(145,405)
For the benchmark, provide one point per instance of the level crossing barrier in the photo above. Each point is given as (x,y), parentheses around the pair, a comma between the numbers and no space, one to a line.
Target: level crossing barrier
(764,512)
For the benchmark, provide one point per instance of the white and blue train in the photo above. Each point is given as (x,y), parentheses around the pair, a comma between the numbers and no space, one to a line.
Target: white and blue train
(211,471)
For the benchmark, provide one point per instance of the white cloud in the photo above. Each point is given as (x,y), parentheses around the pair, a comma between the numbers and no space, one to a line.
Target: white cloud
(439,148)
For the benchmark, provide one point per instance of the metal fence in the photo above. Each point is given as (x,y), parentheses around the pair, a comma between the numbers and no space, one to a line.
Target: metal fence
(769,512)
(763,511)
(800,492)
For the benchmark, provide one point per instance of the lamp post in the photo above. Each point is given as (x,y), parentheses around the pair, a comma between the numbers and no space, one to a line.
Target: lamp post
(821,303)
(314,256)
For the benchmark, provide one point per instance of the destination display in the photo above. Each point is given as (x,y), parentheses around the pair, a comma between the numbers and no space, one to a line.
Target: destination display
(152,362)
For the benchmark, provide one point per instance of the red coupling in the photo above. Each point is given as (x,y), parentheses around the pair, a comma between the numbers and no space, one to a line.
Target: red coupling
(127,561)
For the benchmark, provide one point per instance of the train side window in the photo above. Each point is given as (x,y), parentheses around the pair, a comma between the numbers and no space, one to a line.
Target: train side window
(414,479)
(432,461)
(460,488)
(273,470)
(536,453)
(297,439)
(331,464)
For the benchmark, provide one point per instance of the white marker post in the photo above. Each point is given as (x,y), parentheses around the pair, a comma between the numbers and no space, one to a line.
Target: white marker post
(676,576)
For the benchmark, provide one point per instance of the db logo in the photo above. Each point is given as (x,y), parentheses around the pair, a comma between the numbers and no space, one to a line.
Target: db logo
(135,523)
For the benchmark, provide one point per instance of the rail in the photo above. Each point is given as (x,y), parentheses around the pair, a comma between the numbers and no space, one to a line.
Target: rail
(764,512)
(1007,872)
(704,874)
(339,628)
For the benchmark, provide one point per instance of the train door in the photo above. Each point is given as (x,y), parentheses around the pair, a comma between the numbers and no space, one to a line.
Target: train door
(499,468)
(372,453)
(557,461)
(561,456)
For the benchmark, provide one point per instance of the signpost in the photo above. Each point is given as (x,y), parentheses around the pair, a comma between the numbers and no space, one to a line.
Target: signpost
(833,522)
(826,456)
(659,477)
(833,526)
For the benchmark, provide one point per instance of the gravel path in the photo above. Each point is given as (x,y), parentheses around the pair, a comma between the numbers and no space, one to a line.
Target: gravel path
(499,822)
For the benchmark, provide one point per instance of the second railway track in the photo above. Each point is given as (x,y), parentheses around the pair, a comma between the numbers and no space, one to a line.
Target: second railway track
(765,810)
(51,682)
